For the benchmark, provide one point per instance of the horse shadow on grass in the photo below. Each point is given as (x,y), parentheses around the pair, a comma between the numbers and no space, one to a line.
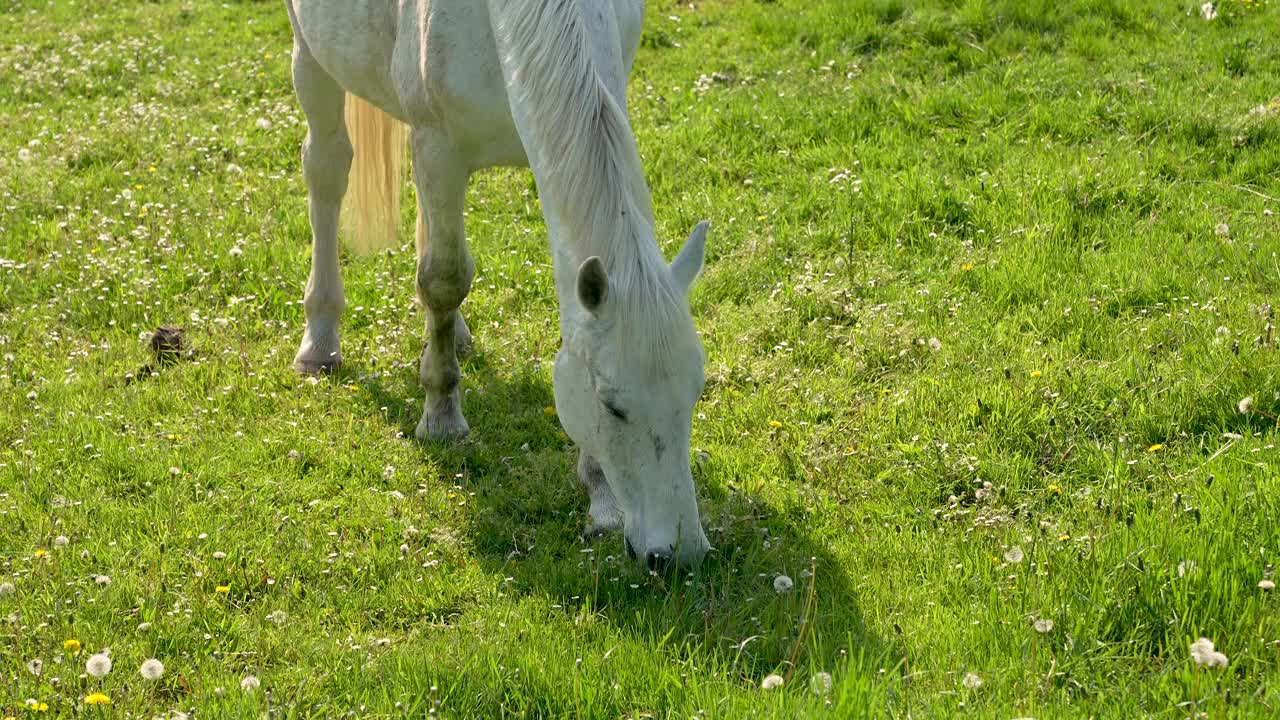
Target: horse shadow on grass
(528,514)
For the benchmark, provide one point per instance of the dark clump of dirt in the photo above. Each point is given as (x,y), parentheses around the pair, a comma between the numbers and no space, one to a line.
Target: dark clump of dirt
(168,346)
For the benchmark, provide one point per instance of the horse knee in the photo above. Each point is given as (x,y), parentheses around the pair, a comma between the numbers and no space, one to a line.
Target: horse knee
(444,283)
(326,160)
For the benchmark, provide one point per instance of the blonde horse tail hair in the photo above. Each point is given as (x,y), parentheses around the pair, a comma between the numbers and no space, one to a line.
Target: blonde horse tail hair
(371,215)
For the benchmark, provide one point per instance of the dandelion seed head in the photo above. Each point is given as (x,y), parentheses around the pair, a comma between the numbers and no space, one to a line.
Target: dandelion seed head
(1043,625)
(35,666)
(98,665)
(152,669)
(1014,554)
(7,589)
(144,627)
(1203,653)
(1208,11)
(60,541)
(1266,585)
(1245,406)
(250,683)
(219,555)
(783,584)
(971,680)
(820,683)
(771,682)
(102,579)
(263,123)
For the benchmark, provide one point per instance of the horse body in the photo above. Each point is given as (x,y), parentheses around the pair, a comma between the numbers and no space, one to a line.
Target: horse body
(520,82)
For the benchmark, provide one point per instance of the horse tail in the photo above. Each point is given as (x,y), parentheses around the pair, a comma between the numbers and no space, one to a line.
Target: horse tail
(371,217)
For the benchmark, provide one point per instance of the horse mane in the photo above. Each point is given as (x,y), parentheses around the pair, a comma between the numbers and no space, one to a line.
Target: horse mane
(587,155)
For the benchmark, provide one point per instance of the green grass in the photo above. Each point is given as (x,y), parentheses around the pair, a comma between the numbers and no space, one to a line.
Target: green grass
(955,242)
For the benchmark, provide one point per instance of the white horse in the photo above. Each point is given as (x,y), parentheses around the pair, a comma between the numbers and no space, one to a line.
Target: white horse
(514,82)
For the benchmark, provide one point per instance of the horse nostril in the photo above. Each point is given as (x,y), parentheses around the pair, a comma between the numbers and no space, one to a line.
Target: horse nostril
(631,552)
(657,562)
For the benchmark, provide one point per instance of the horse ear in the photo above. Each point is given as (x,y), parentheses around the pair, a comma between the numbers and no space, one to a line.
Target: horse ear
(688,262)
(593,284)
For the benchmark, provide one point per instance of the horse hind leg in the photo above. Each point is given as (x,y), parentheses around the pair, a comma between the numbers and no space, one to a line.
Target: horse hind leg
(445,271)
(326,160)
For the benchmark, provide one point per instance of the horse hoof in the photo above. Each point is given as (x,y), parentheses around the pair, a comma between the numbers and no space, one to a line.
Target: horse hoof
(317,358)
(446,423)
(316,367)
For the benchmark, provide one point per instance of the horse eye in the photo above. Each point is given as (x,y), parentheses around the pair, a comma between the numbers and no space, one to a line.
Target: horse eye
(614,410)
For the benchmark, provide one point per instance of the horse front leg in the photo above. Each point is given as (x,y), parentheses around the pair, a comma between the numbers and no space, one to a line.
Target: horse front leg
(445,271)
(326,160)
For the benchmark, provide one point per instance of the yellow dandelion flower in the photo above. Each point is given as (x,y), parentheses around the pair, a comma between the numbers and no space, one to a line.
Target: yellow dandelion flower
(775,424)
(143,211)
(967,267)
(549,410)
(41,553)
(72,646)
(760,217)
(1054,489)
(1155,448)
(224,589)
(139,186)
(1035,373)
(97,699)
(266,56)
(1064,537)
(151,169)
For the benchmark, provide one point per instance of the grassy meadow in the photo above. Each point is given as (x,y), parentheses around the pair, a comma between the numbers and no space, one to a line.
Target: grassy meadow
(993,379)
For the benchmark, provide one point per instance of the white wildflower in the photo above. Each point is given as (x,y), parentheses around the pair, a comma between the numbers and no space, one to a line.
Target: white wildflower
(60,541)
(144,627)
(102,579)
(24,155)
(219,555)
(152,669)
(771,682)
(249,683)
(1222,230)
(7,589)
(971,681)
(1043,625)
(388,472)
(1266,585)
(35,667)
(783,584)
(1208,11)
(263,124)
(98,665)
